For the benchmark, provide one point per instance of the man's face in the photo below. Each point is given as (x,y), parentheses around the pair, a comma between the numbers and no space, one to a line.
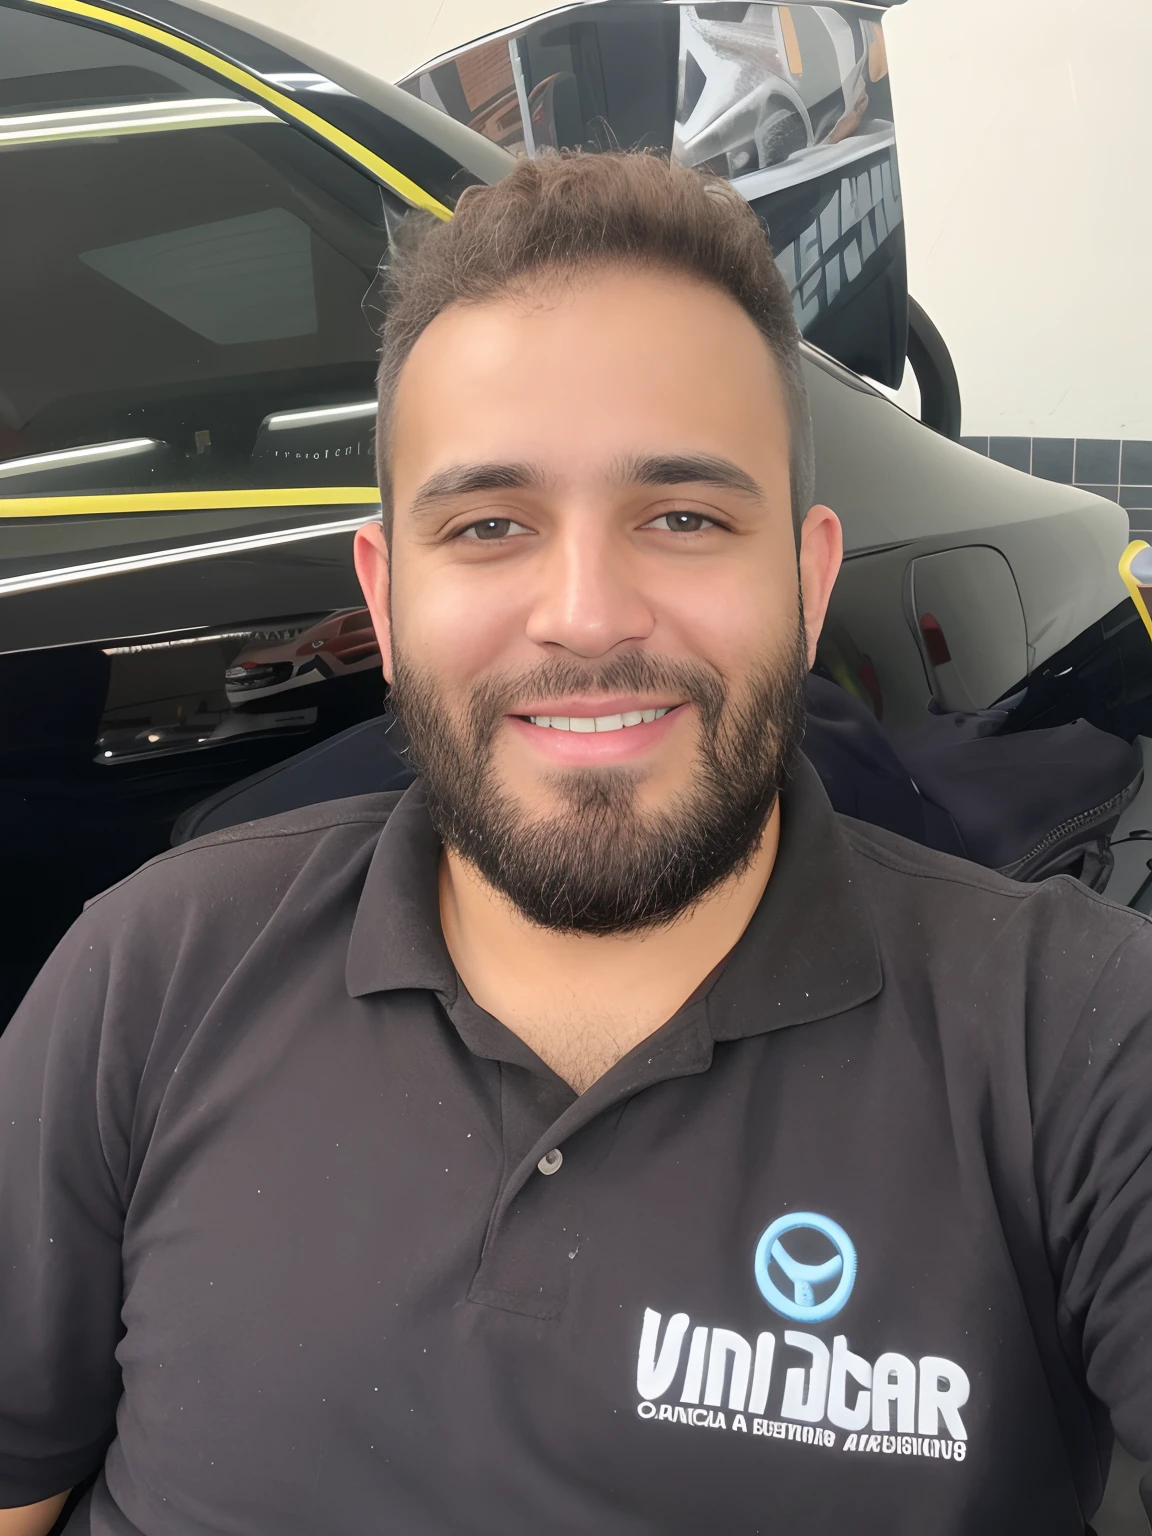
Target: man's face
(591,613)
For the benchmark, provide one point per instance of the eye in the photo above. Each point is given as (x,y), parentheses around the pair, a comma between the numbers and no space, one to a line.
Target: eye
(490,528)
(682,522)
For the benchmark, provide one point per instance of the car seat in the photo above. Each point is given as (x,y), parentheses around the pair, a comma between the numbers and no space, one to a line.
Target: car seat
(365,759)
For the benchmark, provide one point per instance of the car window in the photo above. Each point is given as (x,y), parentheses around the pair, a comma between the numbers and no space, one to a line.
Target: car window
(793,104)
(188,285)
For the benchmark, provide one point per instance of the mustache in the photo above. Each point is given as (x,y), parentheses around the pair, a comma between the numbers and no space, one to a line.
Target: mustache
(631,672)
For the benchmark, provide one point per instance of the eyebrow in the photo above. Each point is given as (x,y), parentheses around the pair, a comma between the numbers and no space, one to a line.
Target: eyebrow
(467,479)
(638,469)
(687,469)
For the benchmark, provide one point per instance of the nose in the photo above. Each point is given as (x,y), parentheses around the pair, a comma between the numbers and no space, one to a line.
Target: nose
(587,598)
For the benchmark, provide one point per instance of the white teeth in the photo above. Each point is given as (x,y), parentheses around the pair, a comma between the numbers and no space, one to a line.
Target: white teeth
(586,724)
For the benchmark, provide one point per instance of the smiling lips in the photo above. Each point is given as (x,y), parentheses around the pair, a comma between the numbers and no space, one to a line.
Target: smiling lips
(590,740)
(595,723)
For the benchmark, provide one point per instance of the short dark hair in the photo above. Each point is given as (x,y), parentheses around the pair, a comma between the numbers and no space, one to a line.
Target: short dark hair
(568,212)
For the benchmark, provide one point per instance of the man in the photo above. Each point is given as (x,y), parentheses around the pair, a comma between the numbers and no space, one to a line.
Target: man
(602,1136)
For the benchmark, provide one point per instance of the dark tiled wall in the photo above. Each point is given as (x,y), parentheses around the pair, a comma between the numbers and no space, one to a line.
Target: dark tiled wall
(1119,468)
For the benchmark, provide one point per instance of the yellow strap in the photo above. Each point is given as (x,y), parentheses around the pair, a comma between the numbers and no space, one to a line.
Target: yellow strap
(1135,591)
(189,501)
(252,84)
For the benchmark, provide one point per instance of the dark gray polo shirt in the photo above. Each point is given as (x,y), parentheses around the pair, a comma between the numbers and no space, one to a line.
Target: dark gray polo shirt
(860,1240)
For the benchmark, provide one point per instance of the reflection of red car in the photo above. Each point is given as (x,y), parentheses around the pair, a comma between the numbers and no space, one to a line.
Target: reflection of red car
(343,643)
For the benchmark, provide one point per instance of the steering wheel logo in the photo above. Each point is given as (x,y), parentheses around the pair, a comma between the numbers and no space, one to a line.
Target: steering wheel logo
(805,1304)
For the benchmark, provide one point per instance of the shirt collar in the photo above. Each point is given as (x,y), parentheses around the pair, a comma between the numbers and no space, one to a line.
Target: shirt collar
(809,951)
(397,941)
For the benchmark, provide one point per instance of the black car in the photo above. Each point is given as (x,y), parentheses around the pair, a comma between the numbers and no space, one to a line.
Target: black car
(196,212)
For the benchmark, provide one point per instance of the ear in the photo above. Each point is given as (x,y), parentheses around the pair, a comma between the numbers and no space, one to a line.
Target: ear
(373,570)
(821,553)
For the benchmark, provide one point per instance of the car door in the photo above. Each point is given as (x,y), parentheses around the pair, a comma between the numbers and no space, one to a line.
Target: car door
(189,298)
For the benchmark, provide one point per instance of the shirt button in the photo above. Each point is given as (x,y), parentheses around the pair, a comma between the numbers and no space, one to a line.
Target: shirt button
(551,1161)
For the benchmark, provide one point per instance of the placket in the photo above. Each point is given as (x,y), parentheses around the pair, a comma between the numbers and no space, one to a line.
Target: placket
(541,1216)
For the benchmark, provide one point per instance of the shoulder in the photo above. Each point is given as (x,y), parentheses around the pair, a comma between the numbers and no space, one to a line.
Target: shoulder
(163,942)
(1050,979)
(961,899)
(252,865)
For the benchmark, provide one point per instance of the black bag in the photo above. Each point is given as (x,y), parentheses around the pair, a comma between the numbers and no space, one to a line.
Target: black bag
(1032,803)
(1029,804)
(863,774)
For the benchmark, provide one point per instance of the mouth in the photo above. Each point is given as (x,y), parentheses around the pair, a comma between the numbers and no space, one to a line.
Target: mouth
(599,724)
(600,732)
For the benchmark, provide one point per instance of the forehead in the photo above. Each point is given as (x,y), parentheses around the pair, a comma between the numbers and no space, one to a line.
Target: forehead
(577,373)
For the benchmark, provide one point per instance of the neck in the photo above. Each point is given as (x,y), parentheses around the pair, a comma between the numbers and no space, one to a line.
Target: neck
(582,1001)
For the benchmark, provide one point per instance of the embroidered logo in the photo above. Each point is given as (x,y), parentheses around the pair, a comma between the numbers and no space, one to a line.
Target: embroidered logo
(810,1300)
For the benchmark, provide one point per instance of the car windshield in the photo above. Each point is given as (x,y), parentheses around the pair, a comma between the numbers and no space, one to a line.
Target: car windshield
(198,309)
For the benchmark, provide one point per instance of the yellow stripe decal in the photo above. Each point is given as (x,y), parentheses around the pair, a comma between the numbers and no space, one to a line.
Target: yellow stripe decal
(189,501)
(379,168)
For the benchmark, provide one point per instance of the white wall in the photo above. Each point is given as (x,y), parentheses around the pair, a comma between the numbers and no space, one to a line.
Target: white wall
(1025,131)
(387,37)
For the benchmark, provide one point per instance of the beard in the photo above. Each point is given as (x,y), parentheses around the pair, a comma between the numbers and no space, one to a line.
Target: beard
(601,864)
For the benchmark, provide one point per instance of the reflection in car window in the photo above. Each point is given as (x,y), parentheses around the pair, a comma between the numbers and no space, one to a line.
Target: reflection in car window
(189,285)
(603,80)
(303,676)
(793,104)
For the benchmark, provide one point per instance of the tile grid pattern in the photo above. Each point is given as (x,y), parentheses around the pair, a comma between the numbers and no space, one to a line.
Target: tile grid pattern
(1118,468)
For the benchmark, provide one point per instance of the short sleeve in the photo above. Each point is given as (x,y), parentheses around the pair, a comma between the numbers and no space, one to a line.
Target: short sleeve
(61,1220)
(1093,1138)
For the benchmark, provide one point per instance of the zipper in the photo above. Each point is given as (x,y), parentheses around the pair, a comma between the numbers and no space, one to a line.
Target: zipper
(1069,830)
